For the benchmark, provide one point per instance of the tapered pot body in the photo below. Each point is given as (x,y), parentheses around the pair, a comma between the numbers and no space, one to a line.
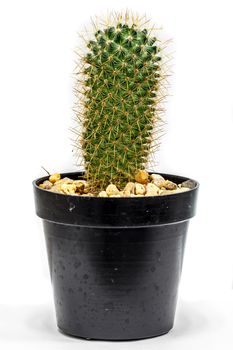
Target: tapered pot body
(115,263)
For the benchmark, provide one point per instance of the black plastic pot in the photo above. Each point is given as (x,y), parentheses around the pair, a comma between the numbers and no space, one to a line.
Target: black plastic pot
(115,263)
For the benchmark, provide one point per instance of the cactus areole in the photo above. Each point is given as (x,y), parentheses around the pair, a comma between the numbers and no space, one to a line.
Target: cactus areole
(115,232)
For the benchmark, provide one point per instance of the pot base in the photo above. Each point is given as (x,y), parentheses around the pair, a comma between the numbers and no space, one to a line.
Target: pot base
(67,333)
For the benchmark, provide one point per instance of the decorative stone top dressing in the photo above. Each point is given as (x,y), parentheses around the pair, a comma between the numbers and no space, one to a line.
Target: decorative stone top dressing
(144,185)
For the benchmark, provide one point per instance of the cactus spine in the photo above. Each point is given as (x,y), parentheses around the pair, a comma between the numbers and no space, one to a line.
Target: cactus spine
(118,98)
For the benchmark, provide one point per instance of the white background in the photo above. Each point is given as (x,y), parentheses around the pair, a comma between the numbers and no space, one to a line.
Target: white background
(37,39)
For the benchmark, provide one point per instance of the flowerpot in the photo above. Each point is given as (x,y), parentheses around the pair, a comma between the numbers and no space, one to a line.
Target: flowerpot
(115,263)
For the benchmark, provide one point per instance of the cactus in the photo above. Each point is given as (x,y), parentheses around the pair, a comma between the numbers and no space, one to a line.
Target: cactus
(119,92)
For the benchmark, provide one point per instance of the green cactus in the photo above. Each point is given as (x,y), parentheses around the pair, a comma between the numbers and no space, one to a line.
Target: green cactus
(121,90)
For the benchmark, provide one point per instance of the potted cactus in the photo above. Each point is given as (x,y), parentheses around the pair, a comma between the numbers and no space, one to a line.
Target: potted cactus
(115,232)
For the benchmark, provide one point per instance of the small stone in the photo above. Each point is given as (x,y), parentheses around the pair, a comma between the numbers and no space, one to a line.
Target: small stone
(86,190)
(65,180)
(177,190)
(169,185)
(84,182)
(80,185)
(115,195)
(139,189)
(167,192)
(112,190)
(103,194)
(68,188)
(182,189)
(47,185)
(149,194)
(157,179)
(87,194)
(142,177)
(129,187)
(54,177)
(151,189)
(127,193)
(56,188)
(188,184)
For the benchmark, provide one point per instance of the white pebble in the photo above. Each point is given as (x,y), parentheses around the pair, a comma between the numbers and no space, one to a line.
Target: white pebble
(169,185)
(157,179)
(68,188)
(126,193)
(47,185)
(65,180)
(139,189)
(151,189)
(167,192)
(129,187)
(182,189)
(112,190)
(103,194)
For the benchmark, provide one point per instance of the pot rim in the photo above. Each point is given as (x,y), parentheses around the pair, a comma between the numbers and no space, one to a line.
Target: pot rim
(115,211)
(39,180)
